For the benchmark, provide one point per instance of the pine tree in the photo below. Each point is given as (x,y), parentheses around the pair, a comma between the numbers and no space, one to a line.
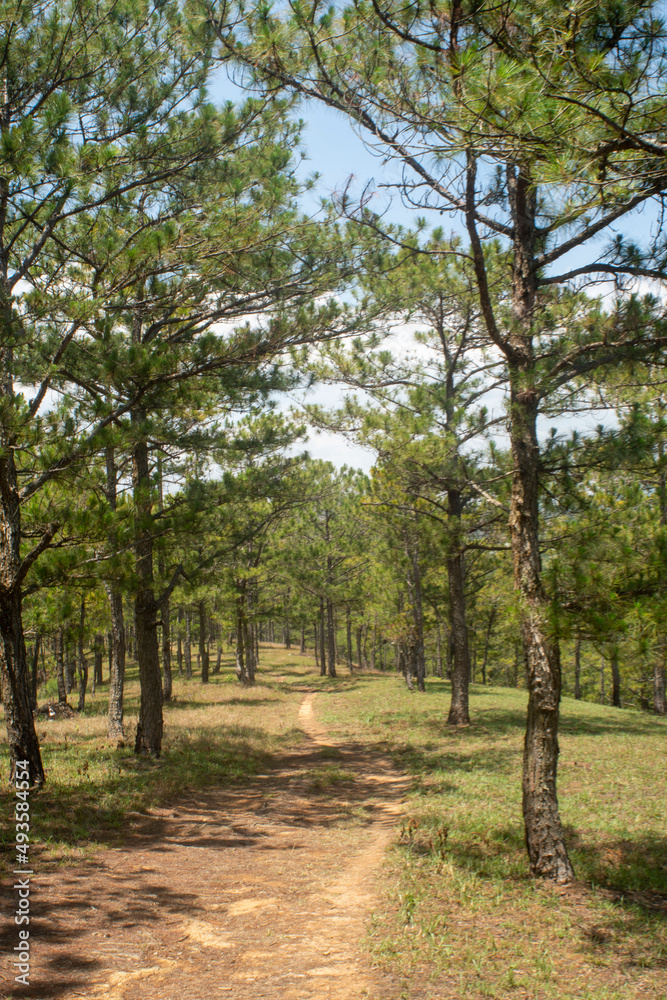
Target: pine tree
(542,126)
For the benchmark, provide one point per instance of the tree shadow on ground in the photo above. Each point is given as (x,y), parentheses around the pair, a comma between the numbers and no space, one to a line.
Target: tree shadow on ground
(94,810)
(633,868)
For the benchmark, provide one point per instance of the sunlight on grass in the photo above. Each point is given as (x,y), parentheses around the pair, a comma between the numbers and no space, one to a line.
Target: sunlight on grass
(460,916)
(457,915)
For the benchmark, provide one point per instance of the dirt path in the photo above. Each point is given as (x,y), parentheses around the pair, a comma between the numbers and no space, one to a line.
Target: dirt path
(260,890)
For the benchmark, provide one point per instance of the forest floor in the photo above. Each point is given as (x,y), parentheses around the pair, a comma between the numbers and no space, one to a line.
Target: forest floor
(258,890)
(336,840)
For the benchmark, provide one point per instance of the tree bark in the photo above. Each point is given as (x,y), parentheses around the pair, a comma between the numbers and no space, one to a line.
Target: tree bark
(179,643)
(116,665)
(659,699)
(415,652)
(203,643)
(117,635)
(545,839)
(34,666)
(577,668)
(487,640)
(323,651)
(22,740)
(188,645)
(615,679)
(60,667)
(459,711)
(167,678)
(348,637)
(331,640)
(408,667)
(81,659)
(98,650)
(438,650)
(70,665)
(240,642)
(287,639)
(149,728)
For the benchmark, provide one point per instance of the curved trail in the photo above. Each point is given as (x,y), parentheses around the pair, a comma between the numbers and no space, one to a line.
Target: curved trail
(260,890)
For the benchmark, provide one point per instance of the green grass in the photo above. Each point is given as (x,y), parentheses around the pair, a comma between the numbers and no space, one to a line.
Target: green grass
(458,915)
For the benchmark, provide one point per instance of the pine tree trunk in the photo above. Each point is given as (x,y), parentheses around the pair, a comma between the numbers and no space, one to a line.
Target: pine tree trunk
(22,740)
(188,645)
(117,636)
(544,833)
(149,728)
(438,651)
(167,679)
(116,665)
(374,644)
(659,702)
(408,668)
(302,644)
(203,643)
(487,641)
(82,662)
(416,645)
(35,664)
(615,680)
(331,640)
(179,643)
(98,677)
(316,643)
(240,643)
(323,651)
(251,660)
(545,839)
(348,636)
(70,666)
(577,668)
(60,667)
(245,643)
(459,711)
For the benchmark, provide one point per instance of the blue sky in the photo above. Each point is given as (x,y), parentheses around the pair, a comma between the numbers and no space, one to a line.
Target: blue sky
(336,152)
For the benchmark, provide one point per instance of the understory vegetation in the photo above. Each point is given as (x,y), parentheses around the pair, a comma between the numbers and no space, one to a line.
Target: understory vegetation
(457,913)
(171,307)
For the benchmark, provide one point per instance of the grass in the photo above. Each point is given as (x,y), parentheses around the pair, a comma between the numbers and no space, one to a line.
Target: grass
(458,915)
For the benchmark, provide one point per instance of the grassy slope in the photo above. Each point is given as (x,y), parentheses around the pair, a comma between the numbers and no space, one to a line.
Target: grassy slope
(460,917)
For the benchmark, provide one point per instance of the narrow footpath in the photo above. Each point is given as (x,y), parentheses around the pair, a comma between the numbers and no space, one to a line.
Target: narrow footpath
(262,889)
